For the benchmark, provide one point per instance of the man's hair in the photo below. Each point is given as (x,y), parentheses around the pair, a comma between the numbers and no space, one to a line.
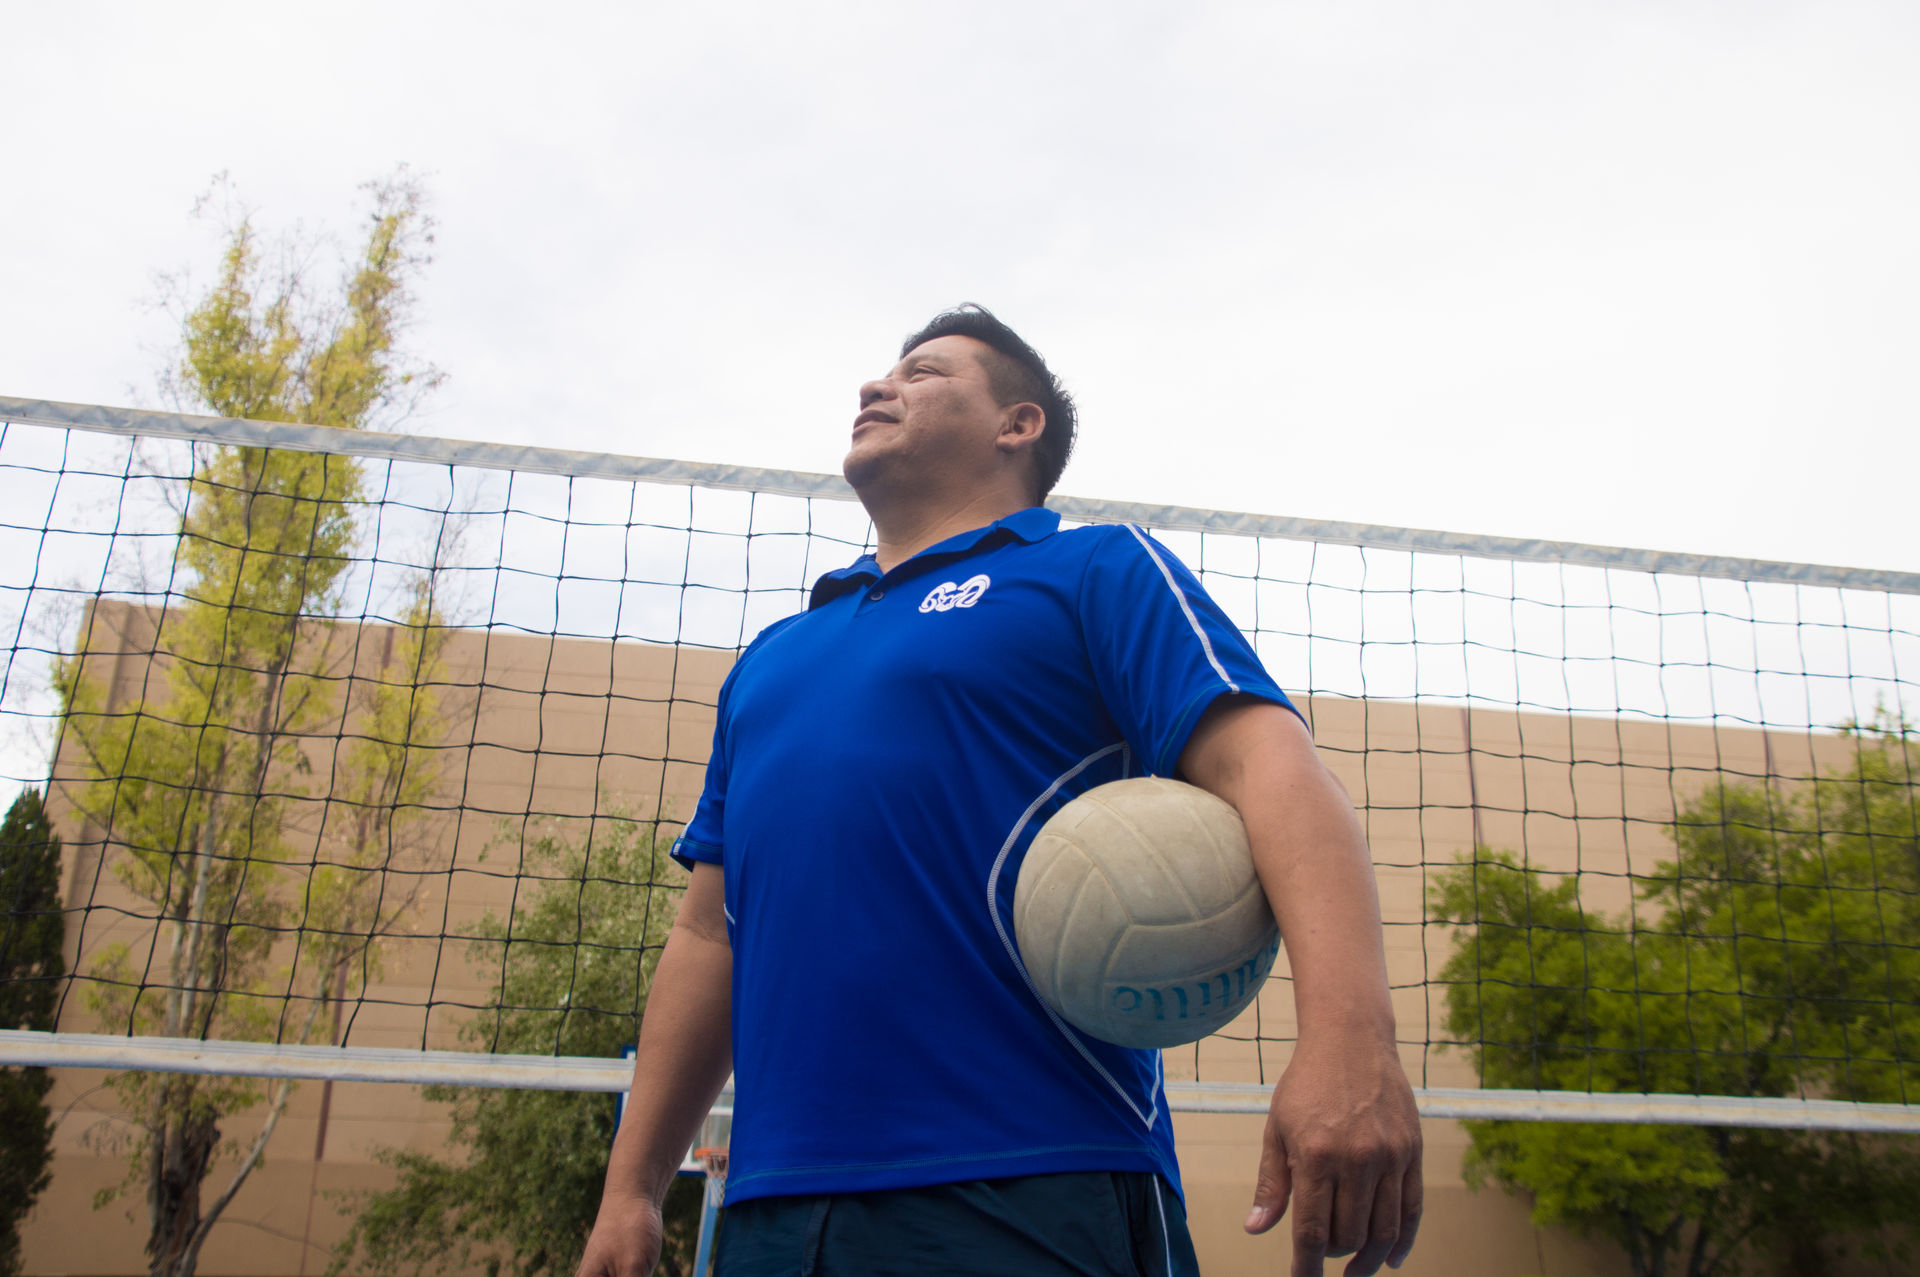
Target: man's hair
(1015,374)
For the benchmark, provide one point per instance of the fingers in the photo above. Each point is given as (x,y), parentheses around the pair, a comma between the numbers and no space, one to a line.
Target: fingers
(1356,1179)
(592,1264)
(1313,1201)
(1381,1232)
(1273,1187)
(1367,1206)
(1412,1191)
(622,1246)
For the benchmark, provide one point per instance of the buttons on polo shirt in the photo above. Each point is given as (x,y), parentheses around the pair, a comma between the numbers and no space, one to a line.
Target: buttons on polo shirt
(876,594)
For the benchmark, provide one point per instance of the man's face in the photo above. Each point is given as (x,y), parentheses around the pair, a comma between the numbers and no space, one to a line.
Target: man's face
(933,414)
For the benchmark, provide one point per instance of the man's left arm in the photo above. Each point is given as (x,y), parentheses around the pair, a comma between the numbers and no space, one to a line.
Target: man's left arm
(1343,1137)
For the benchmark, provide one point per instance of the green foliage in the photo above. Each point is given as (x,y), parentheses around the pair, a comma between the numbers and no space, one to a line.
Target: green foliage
(1774,955)
(199,784)
(1814,896)
(30,975)
(520,1187)
(323,359)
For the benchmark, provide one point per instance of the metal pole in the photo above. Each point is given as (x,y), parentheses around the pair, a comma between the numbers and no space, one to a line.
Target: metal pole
(709,1217)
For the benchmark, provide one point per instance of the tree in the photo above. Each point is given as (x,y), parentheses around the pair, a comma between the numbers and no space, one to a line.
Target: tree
(1773,956)
(519,1192)
(31,970)
(201,787)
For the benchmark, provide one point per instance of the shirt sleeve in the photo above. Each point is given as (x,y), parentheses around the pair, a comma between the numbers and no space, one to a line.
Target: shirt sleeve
(1161,648)
(704,838)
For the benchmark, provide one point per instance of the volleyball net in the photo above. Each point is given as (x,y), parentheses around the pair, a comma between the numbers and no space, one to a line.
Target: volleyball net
(363,753)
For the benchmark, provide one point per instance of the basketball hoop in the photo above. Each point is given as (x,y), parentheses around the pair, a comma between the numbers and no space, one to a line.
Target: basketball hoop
(715,1161)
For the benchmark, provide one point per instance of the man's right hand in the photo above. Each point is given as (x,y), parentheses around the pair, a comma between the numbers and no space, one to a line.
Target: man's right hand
(626,1239)
(679,1066)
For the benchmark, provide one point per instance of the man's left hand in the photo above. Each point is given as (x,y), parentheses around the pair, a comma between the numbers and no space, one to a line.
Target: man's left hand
(1343,1136)
(1343,1143)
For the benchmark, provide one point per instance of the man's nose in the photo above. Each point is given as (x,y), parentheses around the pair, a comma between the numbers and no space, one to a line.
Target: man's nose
(877,389)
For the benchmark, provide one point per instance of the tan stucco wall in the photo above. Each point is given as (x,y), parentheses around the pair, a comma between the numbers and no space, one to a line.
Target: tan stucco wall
(551,724)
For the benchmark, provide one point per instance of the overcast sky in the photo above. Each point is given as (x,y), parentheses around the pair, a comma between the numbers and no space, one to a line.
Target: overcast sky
(1638,273)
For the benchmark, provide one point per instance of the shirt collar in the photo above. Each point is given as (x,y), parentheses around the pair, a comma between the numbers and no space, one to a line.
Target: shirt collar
(1035,523)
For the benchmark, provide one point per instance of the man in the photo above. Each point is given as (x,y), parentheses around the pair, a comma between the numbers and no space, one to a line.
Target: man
(903,1102)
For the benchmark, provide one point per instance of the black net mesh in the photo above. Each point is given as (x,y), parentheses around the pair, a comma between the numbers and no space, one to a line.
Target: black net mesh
(387,753)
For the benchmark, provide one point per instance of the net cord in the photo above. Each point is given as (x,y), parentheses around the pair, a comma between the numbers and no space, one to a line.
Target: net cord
(797,483)
(19,1047)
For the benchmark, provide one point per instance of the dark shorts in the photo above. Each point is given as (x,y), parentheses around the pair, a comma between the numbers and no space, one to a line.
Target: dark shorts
(1083,1224)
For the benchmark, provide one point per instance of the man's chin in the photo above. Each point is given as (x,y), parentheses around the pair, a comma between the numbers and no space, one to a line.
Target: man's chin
(860,469)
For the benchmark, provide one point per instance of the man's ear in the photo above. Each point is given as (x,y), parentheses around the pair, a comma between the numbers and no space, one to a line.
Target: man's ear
(1022,427)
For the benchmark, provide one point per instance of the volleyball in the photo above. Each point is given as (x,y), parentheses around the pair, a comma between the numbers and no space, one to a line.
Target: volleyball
(1139,917)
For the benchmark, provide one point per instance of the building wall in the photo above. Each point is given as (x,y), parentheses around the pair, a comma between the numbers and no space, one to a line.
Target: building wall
(548,730)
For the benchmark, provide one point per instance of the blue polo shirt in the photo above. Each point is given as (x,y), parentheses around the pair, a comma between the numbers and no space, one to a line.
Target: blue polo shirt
(880,764)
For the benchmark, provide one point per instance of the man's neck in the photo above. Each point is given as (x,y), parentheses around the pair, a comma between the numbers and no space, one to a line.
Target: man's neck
(910,528)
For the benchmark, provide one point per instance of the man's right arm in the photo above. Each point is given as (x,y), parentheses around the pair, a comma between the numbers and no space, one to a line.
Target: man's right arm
(681,1062)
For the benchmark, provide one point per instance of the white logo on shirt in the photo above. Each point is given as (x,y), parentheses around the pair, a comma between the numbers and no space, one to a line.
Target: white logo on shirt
(947,596)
